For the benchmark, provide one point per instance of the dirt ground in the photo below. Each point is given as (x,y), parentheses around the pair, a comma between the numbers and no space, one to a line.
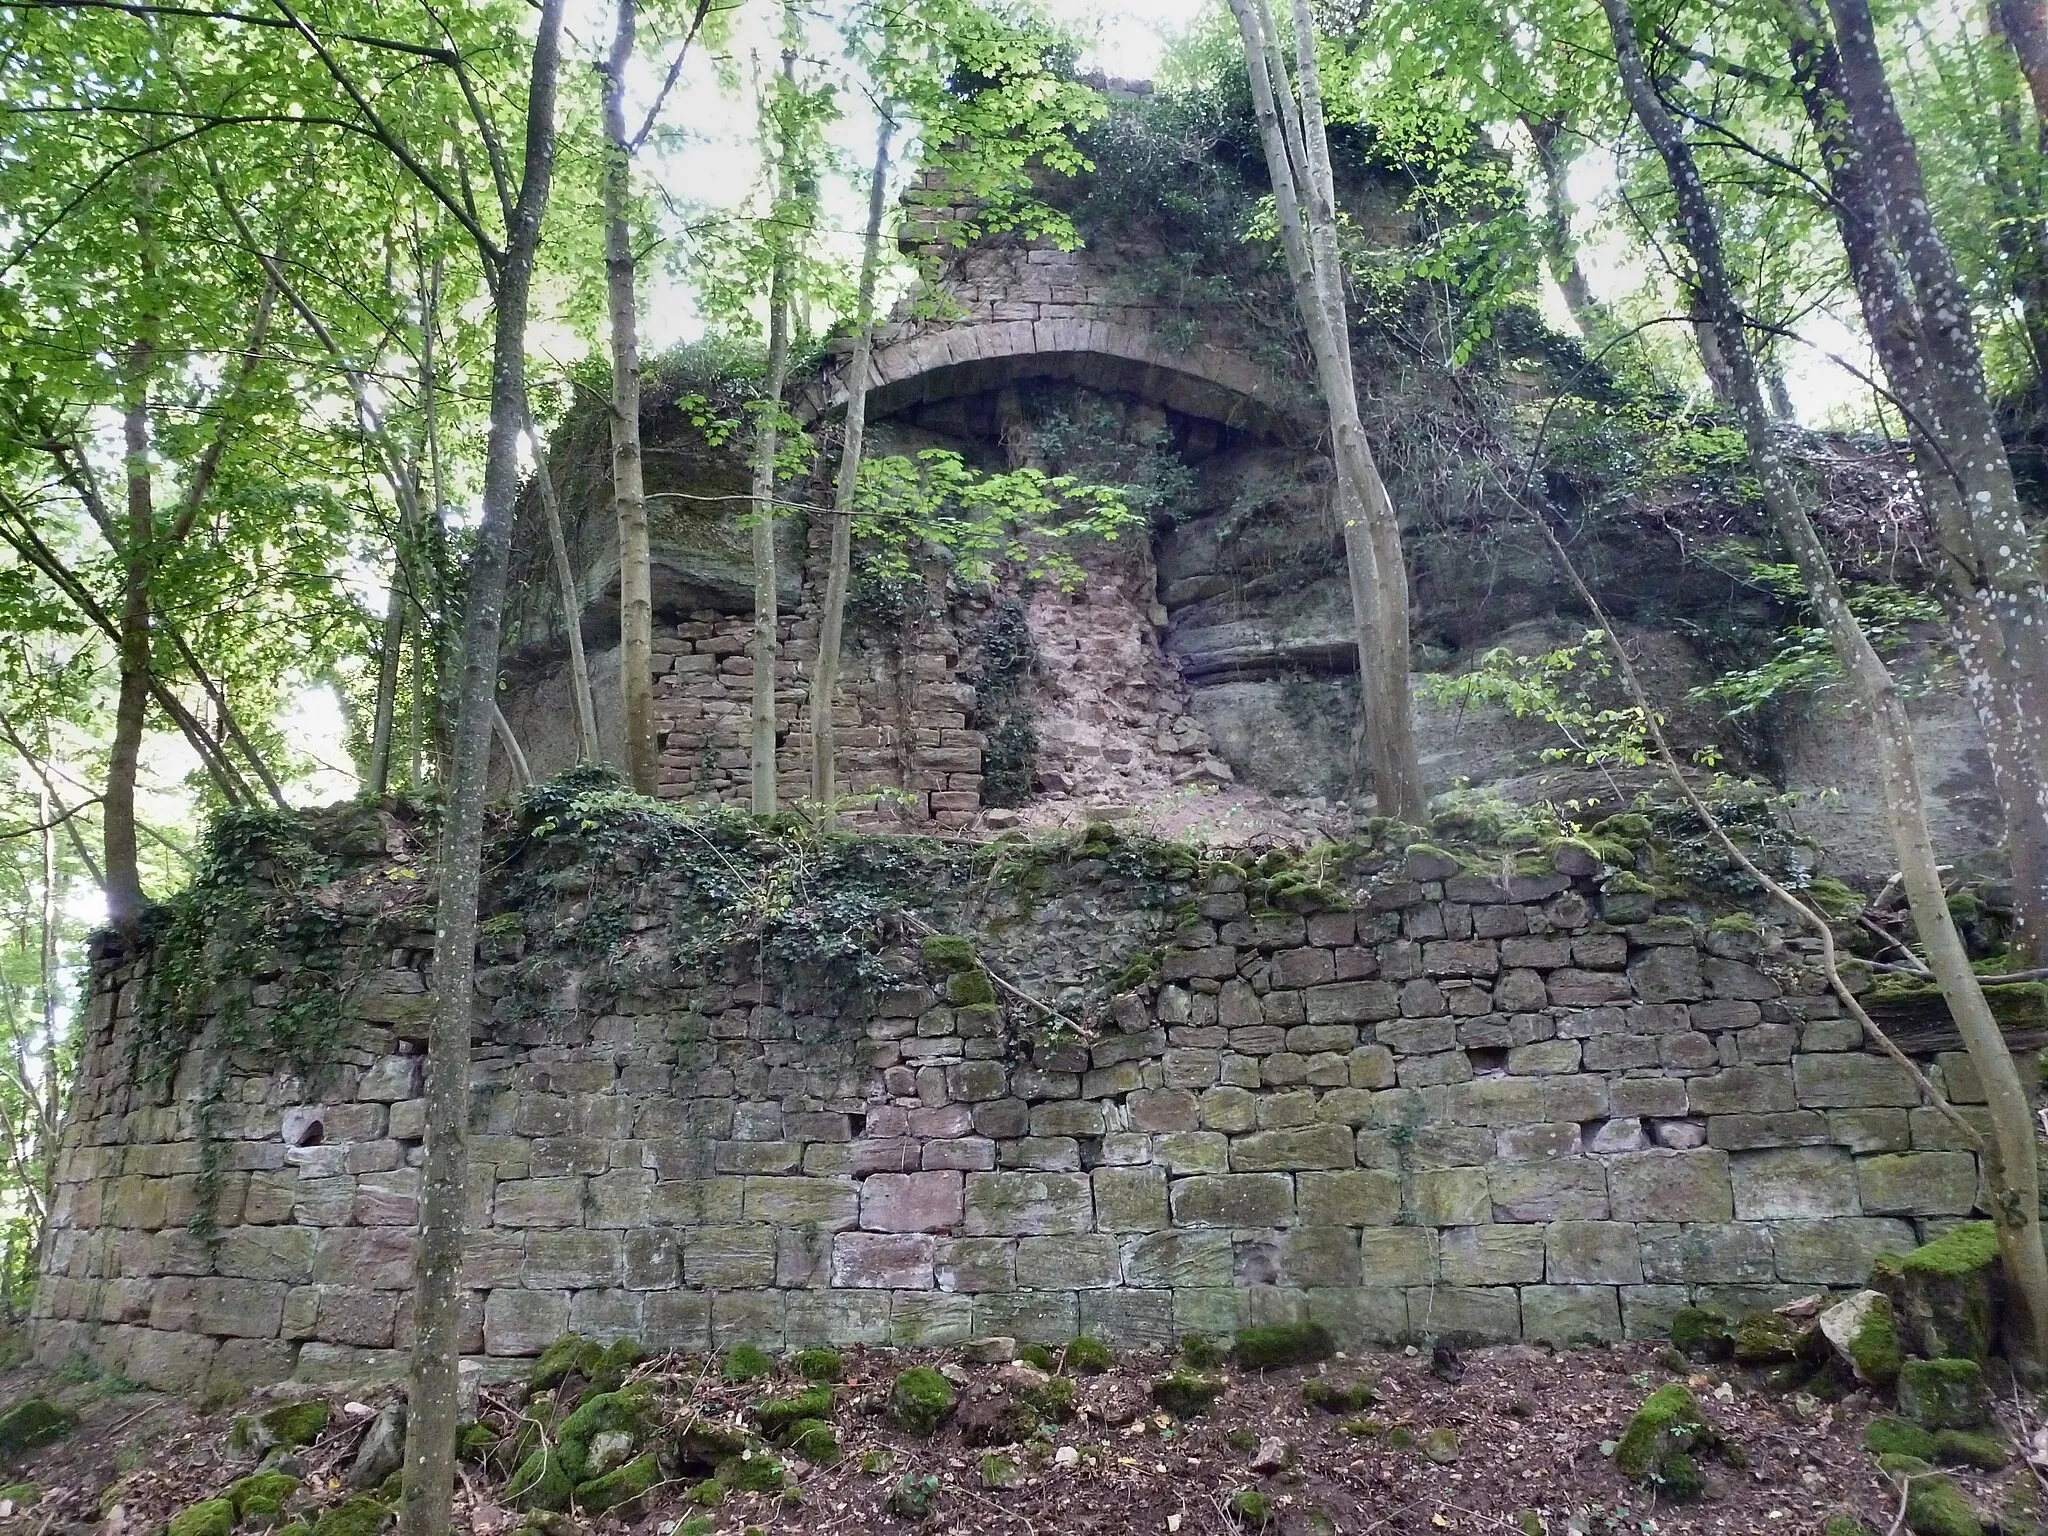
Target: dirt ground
(1534,1434)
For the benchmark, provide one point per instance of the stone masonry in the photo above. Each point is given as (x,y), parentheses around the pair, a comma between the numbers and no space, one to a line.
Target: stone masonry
(1483,1105)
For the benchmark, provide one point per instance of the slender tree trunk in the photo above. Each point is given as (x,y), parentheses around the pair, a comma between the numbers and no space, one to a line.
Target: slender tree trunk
(516,769)
(766,650)
(125,899)
(2012,1173)
(390,653)
(1964,475)
(580,694)
(1297,160)
(839,562)
(437,1290)
(629,498)
(1554,230)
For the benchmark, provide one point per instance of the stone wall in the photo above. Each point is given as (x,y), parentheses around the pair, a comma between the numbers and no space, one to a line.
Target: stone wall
(1483,1104)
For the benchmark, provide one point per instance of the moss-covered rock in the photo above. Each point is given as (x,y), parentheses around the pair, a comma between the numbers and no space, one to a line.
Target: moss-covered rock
(602,1366)
(1966,1448)
(540,1482)
(33,1422)
(1187,1393)
(288,1424)
(1440,1446)
(1662,1440)
(1250,1509)
(1085,1356)
(920,1398)
(970,989)
(746,1362)
(1844,1525)
(776,1414)
(261,1493)
(1888,1435)
(209,1517)
(1702,1333)
(1944,1294)
(358,1515)
(1276,1344)
(947,954)
(755,1473)
(629,1411)
(1336,1394)
(1202,1354)
(815,1441)
(1944,1394)
(1768,1338)
(820,1363)
(705,1445)
(1039,1356)
(621,1488)
(1936,1507)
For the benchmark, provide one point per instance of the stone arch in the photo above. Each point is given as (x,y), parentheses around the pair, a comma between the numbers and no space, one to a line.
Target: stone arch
(938,362)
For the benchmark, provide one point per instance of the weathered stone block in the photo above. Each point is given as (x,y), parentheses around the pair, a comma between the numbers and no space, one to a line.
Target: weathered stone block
(1533,1143)
(518,1322)
(1571,1314)
(1311,1146)
(1591,1253)
(1838,1251)
(1667,974)
(1352,1002)
(1743,1090)
(1395,1256)
(1917,1183)
(1467,1314)
(1664,1185)
(1362,1316)
(571,1260)
(1355,1198)
(1072,1262)
(1647,1310)
(1794,1182)
(1659,1097)
(1163,1109)
(1496,1254)
(975,1263)
(1129,1199)
(728,1258)
(1448,1197)
(1179,1259)
(830,1204)
(1565,1189)
(912,1202)
(1027,1204)
(1745,1133)
(1192,1152)
(1871,1130)
(1546,1058)
(1707,1253)
(1852,1080)
(1233,1200)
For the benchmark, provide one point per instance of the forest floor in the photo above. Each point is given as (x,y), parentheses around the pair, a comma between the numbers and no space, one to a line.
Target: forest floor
(1529,1451)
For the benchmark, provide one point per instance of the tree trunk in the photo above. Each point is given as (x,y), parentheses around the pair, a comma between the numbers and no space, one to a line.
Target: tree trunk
(125,899)
(2024,25)
(2013,1177)
(516,769)
(1964,475)
(629,497)
(1554,231)
(765,608)
(390,652)
(437,1292)
(565,587)
(839,562)
(1297,160)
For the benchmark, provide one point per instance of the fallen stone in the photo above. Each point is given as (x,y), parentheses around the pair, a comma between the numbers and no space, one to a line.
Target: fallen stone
(383,1449)
(1273,1455)
(1861,1330)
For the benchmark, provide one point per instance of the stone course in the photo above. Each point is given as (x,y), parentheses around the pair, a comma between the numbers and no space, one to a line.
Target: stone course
(1480,1136)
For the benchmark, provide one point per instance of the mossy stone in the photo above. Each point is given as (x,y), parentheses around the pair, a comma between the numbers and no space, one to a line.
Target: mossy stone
(1187,1393)
(1965,1448)
(1085,1356)
(1702,1333)
(1657,1447)
(1053,1399)
(619,1488)
(288,1424)
(1529,1523)
(476,1442)
(1276,1344)
(628,1411)
(1943,1394)
(1887,1435)
(920,1398)
(814,1440)
(1765,1338)
(947,954)
(19,1494)
(1944,1294)
(968,989)
(261,1493)
(557,1361)
(820,1363)
(752,1474)
(1875,1351)
(704,1444)
(539,1482)
(998,1472)
(746,1362)
(209,1517)
(358,1515)
(33,1422)
(777,1414)
(1335,1395)
(1250,1508)
(1038,1356)
(1440,1446)
(1936,1507)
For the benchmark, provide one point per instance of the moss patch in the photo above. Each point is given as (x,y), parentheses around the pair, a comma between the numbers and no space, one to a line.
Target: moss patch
(209,1517)
(920,1398)
(1936,1507)
(1963,1448)
(1887,1435)
(357,1516)
(1277,1344)
(1765,1338)
(1085,1356)
(776,1415)
(1875,1350)
(1187,1392)
(1339,1396)
(1659,1446)
(819,1364)
(32,1422)
(1943,1394)
(619,1488)
(1702,1333)
(746,1362)
(261,1493)
(814,1440)
(946,954)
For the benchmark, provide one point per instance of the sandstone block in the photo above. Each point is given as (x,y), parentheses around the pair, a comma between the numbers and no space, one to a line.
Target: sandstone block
(1733,979)
(1318,1256)
(1663,1185)
(912,1202)
(1571,1314)
(1449,1197)
(1178,1259)
(1707,1253)
(1352,1002)
(1129,1199)
(1027,1204)
(1233,1200)
(1838,1251)
(1495,1254)
(1795,1183)
(1546,1058)
(519,1322)
(1163,1109)
(1917,1183)
(1745,1133)
(1192,1152)
(571,1260)
(1354,1198)
(1397,1256)
(1311,1146)
(1667,974)
(1852,1080)
(1566,1189)
(1591,1253)
(832,1205)
(1871,1130)
(975,1263)
(1467,1314)
(1743,1090)
(249,1309)
(728,1258)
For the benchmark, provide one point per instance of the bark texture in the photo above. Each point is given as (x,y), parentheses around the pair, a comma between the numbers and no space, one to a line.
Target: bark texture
(434,1397)
(565,586)
(2015,1183)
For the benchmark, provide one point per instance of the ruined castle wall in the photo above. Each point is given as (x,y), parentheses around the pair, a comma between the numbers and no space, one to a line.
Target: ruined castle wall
(1501,1108)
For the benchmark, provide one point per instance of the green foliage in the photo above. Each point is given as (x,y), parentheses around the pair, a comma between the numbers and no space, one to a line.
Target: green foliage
(1202,1354)
(1001,673)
